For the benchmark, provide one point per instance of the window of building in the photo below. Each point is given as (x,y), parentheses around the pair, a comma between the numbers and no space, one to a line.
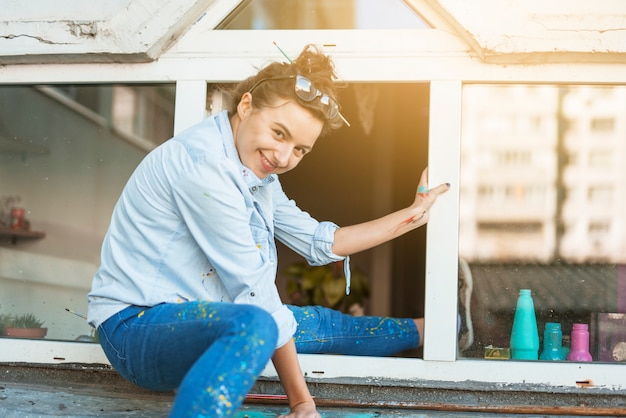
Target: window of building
(601,159)
(602,124)
(514,157)
(599,228)
(600,194)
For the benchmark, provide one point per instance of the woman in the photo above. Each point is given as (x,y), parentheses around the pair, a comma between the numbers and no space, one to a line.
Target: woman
(185,295)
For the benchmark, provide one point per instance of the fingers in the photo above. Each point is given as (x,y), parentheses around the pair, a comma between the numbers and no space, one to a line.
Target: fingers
(442,188)
(424,191)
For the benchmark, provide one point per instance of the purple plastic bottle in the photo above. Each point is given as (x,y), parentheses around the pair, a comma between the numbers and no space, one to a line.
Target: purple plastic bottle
(580,343)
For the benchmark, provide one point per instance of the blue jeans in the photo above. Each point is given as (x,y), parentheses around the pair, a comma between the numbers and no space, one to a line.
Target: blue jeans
(327,331)
(213,352)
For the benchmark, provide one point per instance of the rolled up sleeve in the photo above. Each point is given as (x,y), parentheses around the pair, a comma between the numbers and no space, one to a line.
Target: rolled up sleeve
(302,233)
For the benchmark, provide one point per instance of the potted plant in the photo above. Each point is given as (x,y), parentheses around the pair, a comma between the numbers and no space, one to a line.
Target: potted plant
(24,326)
(4,321)
(326,286)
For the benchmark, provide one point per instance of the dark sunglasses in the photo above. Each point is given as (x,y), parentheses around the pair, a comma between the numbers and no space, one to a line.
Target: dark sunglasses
(306,92)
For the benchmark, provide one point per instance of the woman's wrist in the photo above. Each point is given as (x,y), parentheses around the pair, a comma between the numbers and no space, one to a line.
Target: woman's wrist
(301,401)
(304,405)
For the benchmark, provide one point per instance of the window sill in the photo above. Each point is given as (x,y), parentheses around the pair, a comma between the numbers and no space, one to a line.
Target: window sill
(99,388)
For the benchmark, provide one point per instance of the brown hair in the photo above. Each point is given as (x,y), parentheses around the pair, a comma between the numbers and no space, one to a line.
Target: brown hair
(312,64)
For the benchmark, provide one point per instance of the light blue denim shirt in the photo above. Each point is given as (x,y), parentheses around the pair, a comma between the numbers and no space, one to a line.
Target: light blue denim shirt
(193,223)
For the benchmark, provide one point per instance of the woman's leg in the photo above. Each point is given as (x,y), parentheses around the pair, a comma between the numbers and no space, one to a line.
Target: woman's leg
(211,352)
(324,330)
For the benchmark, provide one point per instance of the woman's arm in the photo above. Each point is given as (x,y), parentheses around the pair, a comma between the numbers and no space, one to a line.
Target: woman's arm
(286,363)
(355,238)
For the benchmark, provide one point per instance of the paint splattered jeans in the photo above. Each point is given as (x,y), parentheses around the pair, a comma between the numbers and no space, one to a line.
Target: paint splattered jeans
(213,352)
(323,330)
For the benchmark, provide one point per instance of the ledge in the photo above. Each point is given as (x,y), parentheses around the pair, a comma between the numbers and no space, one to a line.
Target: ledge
(104,388)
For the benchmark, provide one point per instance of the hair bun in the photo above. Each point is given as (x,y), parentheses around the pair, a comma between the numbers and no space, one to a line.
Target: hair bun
(313,61)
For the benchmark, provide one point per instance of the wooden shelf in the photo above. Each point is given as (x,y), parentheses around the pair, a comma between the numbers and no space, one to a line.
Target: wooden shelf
(15,234)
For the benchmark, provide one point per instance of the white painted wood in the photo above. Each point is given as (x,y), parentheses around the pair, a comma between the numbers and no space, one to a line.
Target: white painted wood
(442,234)
(359,56)
(541,30)
(137,31)
(532,31)
(190,104)
(50,352)
(375,369)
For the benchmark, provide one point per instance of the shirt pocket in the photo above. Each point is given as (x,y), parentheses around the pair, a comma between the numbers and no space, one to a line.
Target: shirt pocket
(261,237)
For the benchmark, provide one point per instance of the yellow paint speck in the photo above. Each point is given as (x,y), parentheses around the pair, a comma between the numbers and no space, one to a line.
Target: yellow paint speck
(141,314)
(225,401)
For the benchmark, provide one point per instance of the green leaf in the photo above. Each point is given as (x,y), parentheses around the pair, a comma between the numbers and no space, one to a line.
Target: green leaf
(295,269)
(313,277)
(334,289)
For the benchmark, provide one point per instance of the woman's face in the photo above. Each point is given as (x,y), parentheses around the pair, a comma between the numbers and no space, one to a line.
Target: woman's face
(273,140)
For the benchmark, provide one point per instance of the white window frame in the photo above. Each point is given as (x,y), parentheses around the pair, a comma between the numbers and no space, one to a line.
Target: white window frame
(425,55)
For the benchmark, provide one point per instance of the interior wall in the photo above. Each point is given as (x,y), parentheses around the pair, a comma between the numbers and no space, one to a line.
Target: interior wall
(68,186)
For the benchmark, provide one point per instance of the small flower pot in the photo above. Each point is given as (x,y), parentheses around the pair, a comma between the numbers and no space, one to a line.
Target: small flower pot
(25,332)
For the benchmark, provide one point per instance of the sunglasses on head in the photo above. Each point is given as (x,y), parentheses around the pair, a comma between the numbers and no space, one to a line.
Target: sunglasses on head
(306,92)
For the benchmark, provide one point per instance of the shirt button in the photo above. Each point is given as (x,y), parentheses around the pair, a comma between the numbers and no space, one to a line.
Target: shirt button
(253,189)
(252,294)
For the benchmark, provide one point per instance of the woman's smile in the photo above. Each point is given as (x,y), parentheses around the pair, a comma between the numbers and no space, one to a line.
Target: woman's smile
(268,166)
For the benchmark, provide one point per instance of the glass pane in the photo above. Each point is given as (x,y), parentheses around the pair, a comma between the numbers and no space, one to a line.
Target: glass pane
(542,207)
(323,14)
(66,151)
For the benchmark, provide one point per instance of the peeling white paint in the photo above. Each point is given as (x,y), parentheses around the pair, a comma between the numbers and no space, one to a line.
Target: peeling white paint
(500,31)
(125,31)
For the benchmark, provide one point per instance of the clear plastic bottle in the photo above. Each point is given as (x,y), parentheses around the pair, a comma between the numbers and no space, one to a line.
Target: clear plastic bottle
(552,342)
(525,336)
(579,350)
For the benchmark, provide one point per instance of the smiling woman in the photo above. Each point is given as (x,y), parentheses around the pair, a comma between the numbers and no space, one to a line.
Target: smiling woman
(191,252)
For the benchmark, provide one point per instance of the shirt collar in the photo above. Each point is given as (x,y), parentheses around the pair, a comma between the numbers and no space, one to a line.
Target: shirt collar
(251,179)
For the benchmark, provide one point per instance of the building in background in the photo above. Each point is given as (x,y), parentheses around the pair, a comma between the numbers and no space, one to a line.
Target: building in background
(542,173)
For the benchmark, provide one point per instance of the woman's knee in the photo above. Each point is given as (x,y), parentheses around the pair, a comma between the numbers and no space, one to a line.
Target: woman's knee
(254,321)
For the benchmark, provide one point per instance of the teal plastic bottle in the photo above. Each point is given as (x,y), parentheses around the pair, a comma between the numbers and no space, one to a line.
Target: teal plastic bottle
(552,342)
(525,336)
